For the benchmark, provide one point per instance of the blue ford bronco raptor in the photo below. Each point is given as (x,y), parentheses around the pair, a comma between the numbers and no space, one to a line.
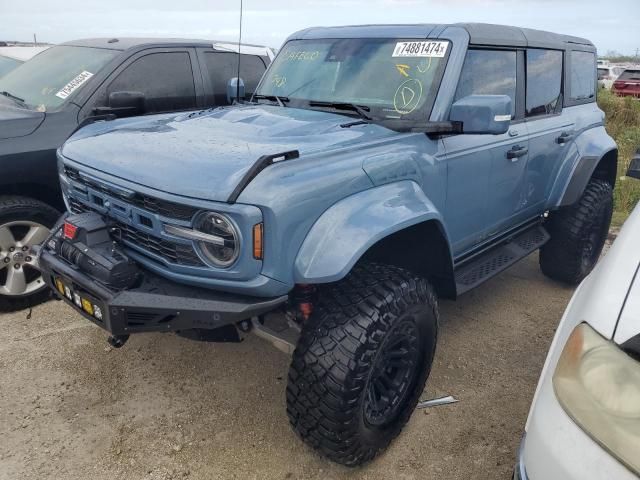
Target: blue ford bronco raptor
(375,169)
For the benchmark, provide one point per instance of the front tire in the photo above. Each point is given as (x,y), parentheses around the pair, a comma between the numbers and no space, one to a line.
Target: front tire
(578,234)
(24,223)
(362,361)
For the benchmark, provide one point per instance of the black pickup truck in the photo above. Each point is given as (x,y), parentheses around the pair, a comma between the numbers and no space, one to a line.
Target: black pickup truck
(46,99)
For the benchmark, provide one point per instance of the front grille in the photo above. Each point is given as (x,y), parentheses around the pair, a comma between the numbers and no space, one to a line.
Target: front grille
(175,253)
(172,252)
(149,203)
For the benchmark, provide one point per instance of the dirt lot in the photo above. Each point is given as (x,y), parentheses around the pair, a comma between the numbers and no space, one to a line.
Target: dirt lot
(164,407)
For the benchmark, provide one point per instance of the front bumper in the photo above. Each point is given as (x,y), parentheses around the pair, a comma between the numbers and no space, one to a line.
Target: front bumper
(157,304)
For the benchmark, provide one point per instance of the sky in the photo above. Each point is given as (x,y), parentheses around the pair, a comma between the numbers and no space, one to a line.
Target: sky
(611,26)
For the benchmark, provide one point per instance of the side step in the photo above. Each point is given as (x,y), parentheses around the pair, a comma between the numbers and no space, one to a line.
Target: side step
(494,261)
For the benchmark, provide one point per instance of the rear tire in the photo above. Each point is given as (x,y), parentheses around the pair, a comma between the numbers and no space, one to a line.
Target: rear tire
(578,234)
(362,362)
(24,223)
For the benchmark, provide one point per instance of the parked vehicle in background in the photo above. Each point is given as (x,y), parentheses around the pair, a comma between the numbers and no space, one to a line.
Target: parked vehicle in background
(608,74)
(12,57)
(8,63)
(628,83)
(584,422)
(44,100)
(376,168)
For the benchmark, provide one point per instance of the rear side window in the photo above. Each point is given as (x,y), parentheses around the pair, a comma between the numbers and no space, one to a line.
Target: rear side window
(223,66)
(583,69)
(544,81)
(166,79)
(489,72)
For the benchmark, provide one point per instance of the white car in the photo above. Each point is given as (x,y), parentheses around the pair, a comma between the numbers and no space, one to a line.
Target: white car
(584,422)
(607,74)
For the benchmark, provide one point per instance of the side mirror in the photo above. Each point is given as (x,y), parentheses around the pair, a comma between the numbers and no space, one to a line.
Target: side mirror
(235,90)
(483,114)
(634,167)
(123,104)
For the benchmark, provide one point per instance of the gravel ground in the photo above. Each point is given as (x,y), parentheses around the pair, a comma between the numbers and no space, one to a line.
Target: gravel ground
(164,407)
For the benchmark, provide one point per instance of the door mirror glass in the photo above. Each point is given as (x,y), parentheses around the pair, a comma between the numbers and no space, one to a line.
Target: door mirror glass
(634,166)
(483,114)
(235,90)
(131,101)
(123,104)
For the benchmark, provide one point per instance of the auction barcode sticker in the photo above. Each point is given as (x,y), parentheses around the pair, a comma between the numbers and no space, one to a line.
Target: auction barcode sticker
(74,84)
(420,49)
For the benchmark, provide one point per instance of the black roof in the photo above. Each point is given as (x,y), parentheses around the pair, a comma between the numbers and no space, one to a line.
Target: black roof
(489,34)
(479,34)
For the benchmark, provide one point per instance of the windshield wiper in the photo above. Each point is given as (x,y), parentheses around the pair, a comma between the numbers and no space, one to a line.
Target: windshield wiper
(13,97)
(273,98)
(361,110)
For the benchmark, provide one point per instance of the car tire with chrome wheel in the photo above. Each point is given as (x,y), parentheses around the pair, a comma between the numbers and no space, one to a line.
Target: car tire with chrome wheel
(24,223)
(362,361)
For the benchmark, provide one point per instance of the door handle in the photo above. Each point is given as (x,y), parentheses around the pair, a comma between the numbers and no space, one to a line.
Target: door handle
(516,152)
(564,138)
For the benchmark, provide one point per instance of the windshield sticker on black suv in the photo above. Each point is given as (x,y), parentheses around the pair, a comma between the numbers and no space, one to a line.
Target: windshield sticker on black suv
(74,84)
(420,49)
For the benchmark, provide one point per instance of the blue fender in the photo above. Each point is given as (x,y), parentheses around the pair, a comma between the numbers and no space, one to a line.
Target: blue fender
(350,227)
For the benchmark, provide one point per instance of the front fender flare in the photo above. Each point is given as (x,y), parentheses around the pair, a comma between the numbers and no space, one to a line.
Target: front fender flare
(345,231)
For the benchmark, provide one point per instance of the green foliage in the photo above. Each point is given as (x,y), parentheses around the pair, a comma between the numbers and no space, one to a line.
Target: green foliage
(623,124)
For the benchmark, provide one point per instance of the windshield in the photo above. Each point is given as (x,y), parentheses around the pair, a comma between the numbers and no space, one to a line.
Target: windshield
(7,64)
(602,73)
(48,79)
(390,78)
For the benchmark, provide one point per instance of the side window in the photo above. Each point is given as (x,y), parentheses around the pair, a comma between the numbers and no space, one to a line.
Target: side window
(252,68)
(166,79)
(544,81)
(223,66)
(489,72)
(583,70)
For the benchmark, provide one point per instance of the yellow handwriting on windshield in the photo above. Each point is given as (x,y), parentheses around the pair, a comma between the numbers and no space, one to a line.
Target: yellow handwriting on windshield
(402,68)
(302,55)
(279,80)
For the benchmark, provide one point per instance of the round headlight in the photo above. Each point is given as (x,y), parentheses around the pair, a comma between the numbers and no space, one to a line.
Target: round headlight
(220,253)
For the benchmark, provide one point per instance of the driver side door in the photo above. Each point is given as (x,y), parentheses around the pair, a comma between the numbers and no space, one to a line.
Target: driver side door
(486,173)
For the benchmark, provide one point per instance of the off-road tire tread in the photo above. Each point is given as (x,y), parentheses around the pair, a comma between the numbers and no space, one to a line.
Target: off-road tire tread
(9,204)
(569,228)
(330,365)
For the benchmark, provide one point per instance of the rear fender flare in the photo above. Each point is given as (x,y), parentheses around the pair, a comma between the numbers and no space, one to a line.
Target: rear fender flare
(595,147)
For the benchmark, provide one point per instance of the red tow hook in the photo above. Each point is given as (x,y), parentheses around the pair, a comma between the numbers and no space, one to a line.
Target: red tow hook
(304,295)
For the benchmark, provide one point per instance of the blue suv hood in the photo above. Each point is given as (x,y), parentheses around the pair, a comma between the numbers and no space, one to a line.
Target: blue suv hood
(205,154)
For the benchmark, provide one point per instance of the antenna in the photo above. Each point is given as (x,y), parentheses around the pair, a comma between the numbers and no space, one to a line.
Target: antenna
(239,56)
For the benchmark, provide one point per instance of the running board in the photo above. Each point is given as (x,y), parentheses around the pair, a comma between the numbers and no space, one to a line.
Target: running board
(494,261)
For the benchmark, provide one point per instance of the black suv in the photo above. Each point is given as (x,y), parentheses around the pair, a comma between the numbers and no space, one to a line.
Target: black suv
(45,100)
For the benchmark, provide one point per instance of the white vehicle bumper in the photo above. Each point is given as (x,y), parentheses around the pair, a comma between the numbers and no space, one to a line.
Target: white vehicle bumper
(555,448)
